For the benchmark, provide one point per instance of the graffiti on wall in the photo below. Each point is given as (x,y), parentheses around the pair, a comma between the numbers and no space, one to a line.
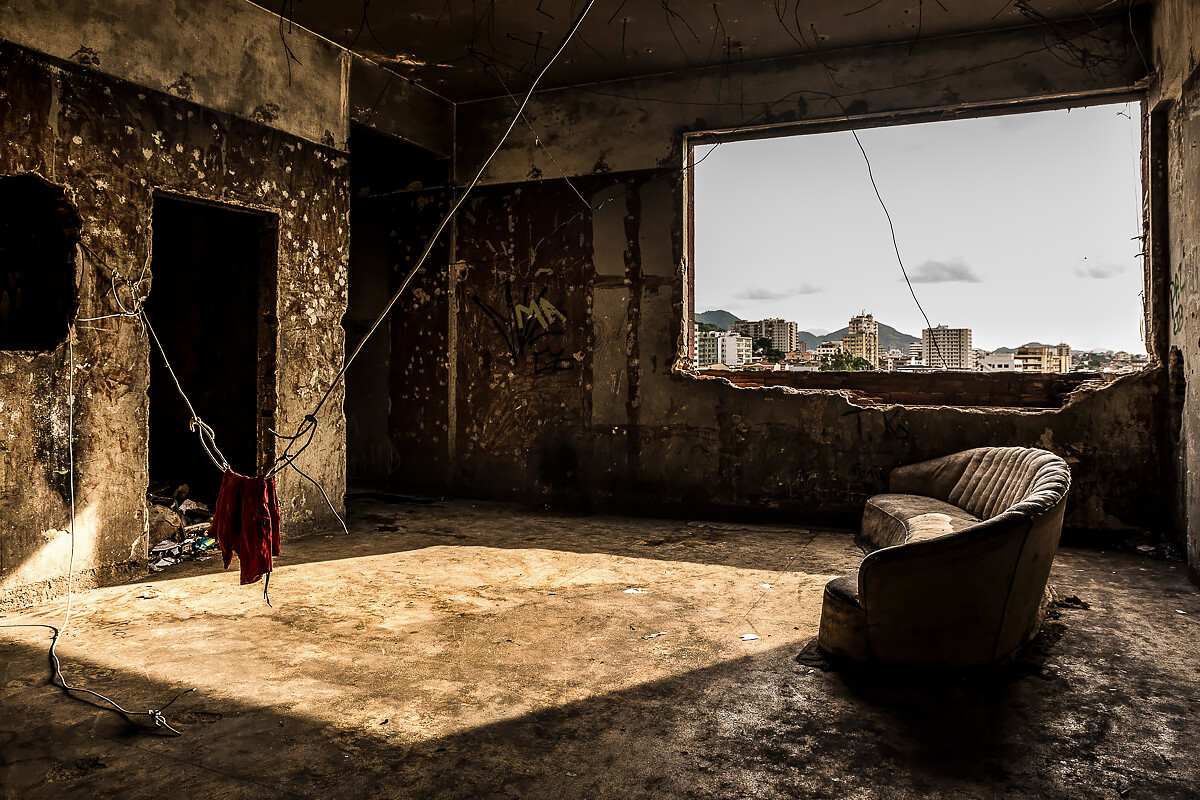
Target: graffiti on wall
(1177,290)
(531,329)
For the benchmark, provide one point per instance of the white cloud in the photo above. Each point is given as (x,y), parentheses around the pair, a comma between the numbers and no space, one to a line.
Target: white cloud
(952,271)
(758,293)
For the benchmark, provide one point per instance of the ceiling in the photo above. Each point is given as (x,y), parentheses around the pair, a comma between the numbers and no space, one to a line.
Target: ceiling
(458,48)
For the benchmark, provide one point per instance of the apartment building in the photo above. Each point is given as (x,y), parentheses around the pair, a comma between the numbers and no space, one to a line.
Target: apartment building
(947,348)
(783,334)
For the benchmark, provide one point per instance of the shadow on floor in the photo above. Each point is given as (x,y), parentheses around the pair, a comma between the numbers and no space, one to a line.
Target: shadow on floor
(758,726)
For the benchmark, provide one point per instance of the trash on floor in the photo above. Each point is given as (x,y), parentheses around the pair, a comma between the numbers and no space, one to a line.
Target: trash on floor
(181,525)
(168,552)
(636,591)
(164,522)
(749,637)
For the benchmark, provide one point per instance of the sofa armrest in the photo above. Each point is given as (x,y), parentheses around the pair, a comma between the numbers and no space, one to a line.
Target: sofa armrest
(916,594)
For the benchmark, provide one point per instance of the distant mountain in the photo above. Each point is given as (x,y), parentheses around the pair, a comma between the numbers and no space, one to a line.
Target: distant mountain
(1014,349)
(812,340)
(889,337)
(722,319)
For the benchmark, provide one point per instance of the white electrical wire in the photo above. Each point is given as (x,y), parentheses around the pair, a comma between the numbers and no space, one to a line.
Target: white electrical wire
(56,676)
(310,420)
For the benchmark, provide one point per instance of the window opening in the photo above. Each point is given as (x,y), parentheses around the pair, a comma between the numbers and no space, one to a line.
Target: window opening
(1021,235)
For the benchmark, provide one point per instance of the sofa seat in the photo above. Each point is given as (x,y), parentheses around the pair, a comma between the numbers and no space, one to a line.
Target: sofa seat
(958,557)
(895,519)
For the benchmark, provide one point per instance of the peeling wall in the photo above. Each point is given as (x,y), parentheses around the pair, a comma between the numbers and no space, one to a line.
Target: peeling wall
(1175,100)
(593,414)
(112,145)
(236,57)
(227,55)
(636,124)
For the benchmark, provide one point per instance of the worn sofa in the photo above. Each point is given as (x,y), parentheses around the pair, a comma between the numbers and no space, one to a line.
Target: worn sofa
(958,556)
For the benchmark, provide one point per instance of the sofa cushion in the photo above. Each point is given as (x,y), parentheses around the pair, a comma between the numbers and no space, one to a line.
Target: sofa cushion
(894,519)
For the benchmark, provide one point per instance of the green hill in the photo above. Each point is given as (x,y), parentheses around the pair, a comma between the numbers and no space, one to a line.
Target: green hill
(722,319)
(889,337)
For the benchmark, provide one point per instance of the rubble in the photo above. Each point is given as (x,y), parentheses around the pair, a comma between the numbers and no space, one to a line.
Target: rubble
(181,525)
(164,523)
(167,552)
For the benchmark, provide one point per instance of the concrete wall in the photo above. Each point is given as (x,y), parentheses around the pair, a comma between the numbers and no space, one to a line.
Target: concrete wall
(1175,221)
(228,55)
(236,57)
(638,124)
(582,404)
(112,145)
(587,408)
(216,100)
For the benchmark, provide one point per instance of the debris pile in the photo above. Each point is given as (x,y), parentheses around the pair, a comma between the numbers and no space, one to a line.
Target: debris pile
(168,552)
(181,527)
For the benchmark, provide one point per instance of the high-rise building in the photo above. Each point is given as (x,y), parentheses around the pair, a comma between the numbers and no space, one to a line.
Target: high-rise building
(783,334)
(862,339)
(1062,354)
(864,323)
(734,350)
(948,348)
(706,348)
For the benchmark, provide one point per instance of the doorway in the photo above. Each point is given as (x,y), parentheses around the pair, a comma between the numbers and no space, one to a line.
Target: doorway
(212,304)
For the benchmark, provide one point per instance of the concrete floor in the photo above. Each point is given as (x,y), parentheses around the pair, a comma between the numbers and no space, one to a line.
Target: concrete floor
(462,650)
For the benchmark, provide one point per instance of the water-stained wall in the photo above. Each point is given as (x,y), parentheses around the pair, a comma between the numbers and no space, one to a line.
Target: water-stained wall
(1174,136)
(582,404)
(112,145)
(581,400)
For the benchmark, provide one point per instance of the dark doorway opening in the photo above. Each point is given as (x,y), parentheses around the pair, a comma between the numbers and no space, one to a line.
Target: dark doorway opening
(212,304)
(39,230)
(396,405)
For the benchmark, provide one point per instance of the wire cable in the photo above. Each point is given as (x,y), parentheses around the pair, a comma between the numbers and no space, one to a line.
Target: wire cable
(207,437)
(310,420)
(56,675)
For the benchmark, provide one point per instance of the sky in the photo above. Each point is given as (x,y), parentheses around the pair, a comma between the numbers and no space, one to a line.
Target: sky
(1021,227)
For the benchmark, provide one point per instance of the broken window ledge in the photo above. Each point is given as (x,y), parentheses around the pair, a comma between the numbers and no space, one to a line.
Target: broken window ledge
(981,390)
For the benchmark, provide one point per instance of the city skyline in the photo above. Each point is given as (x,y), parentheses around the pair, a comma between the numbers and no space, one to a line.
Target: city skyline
(823,332)
(1049,253)
(772,344)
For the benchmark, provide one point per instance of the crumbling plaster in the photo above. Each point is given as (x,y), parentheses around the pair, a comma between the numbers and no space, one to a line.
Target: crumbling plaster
(640,123)
(236,57)
(601,416)
(113,145)
(614,425)
(1175,36)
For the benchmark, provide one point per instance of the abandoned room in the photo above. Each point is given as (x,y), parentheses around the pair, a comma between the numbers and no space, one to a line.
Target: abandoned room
(354,443)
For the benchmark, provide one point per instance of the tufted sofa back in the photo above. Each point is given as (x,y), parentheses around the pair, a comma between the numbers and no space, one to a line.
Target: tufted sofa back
(988,481)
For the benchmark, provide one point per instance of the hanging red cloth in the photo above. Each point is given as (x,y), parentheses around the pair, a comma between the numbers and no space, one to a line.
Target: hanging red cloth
(246,522)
